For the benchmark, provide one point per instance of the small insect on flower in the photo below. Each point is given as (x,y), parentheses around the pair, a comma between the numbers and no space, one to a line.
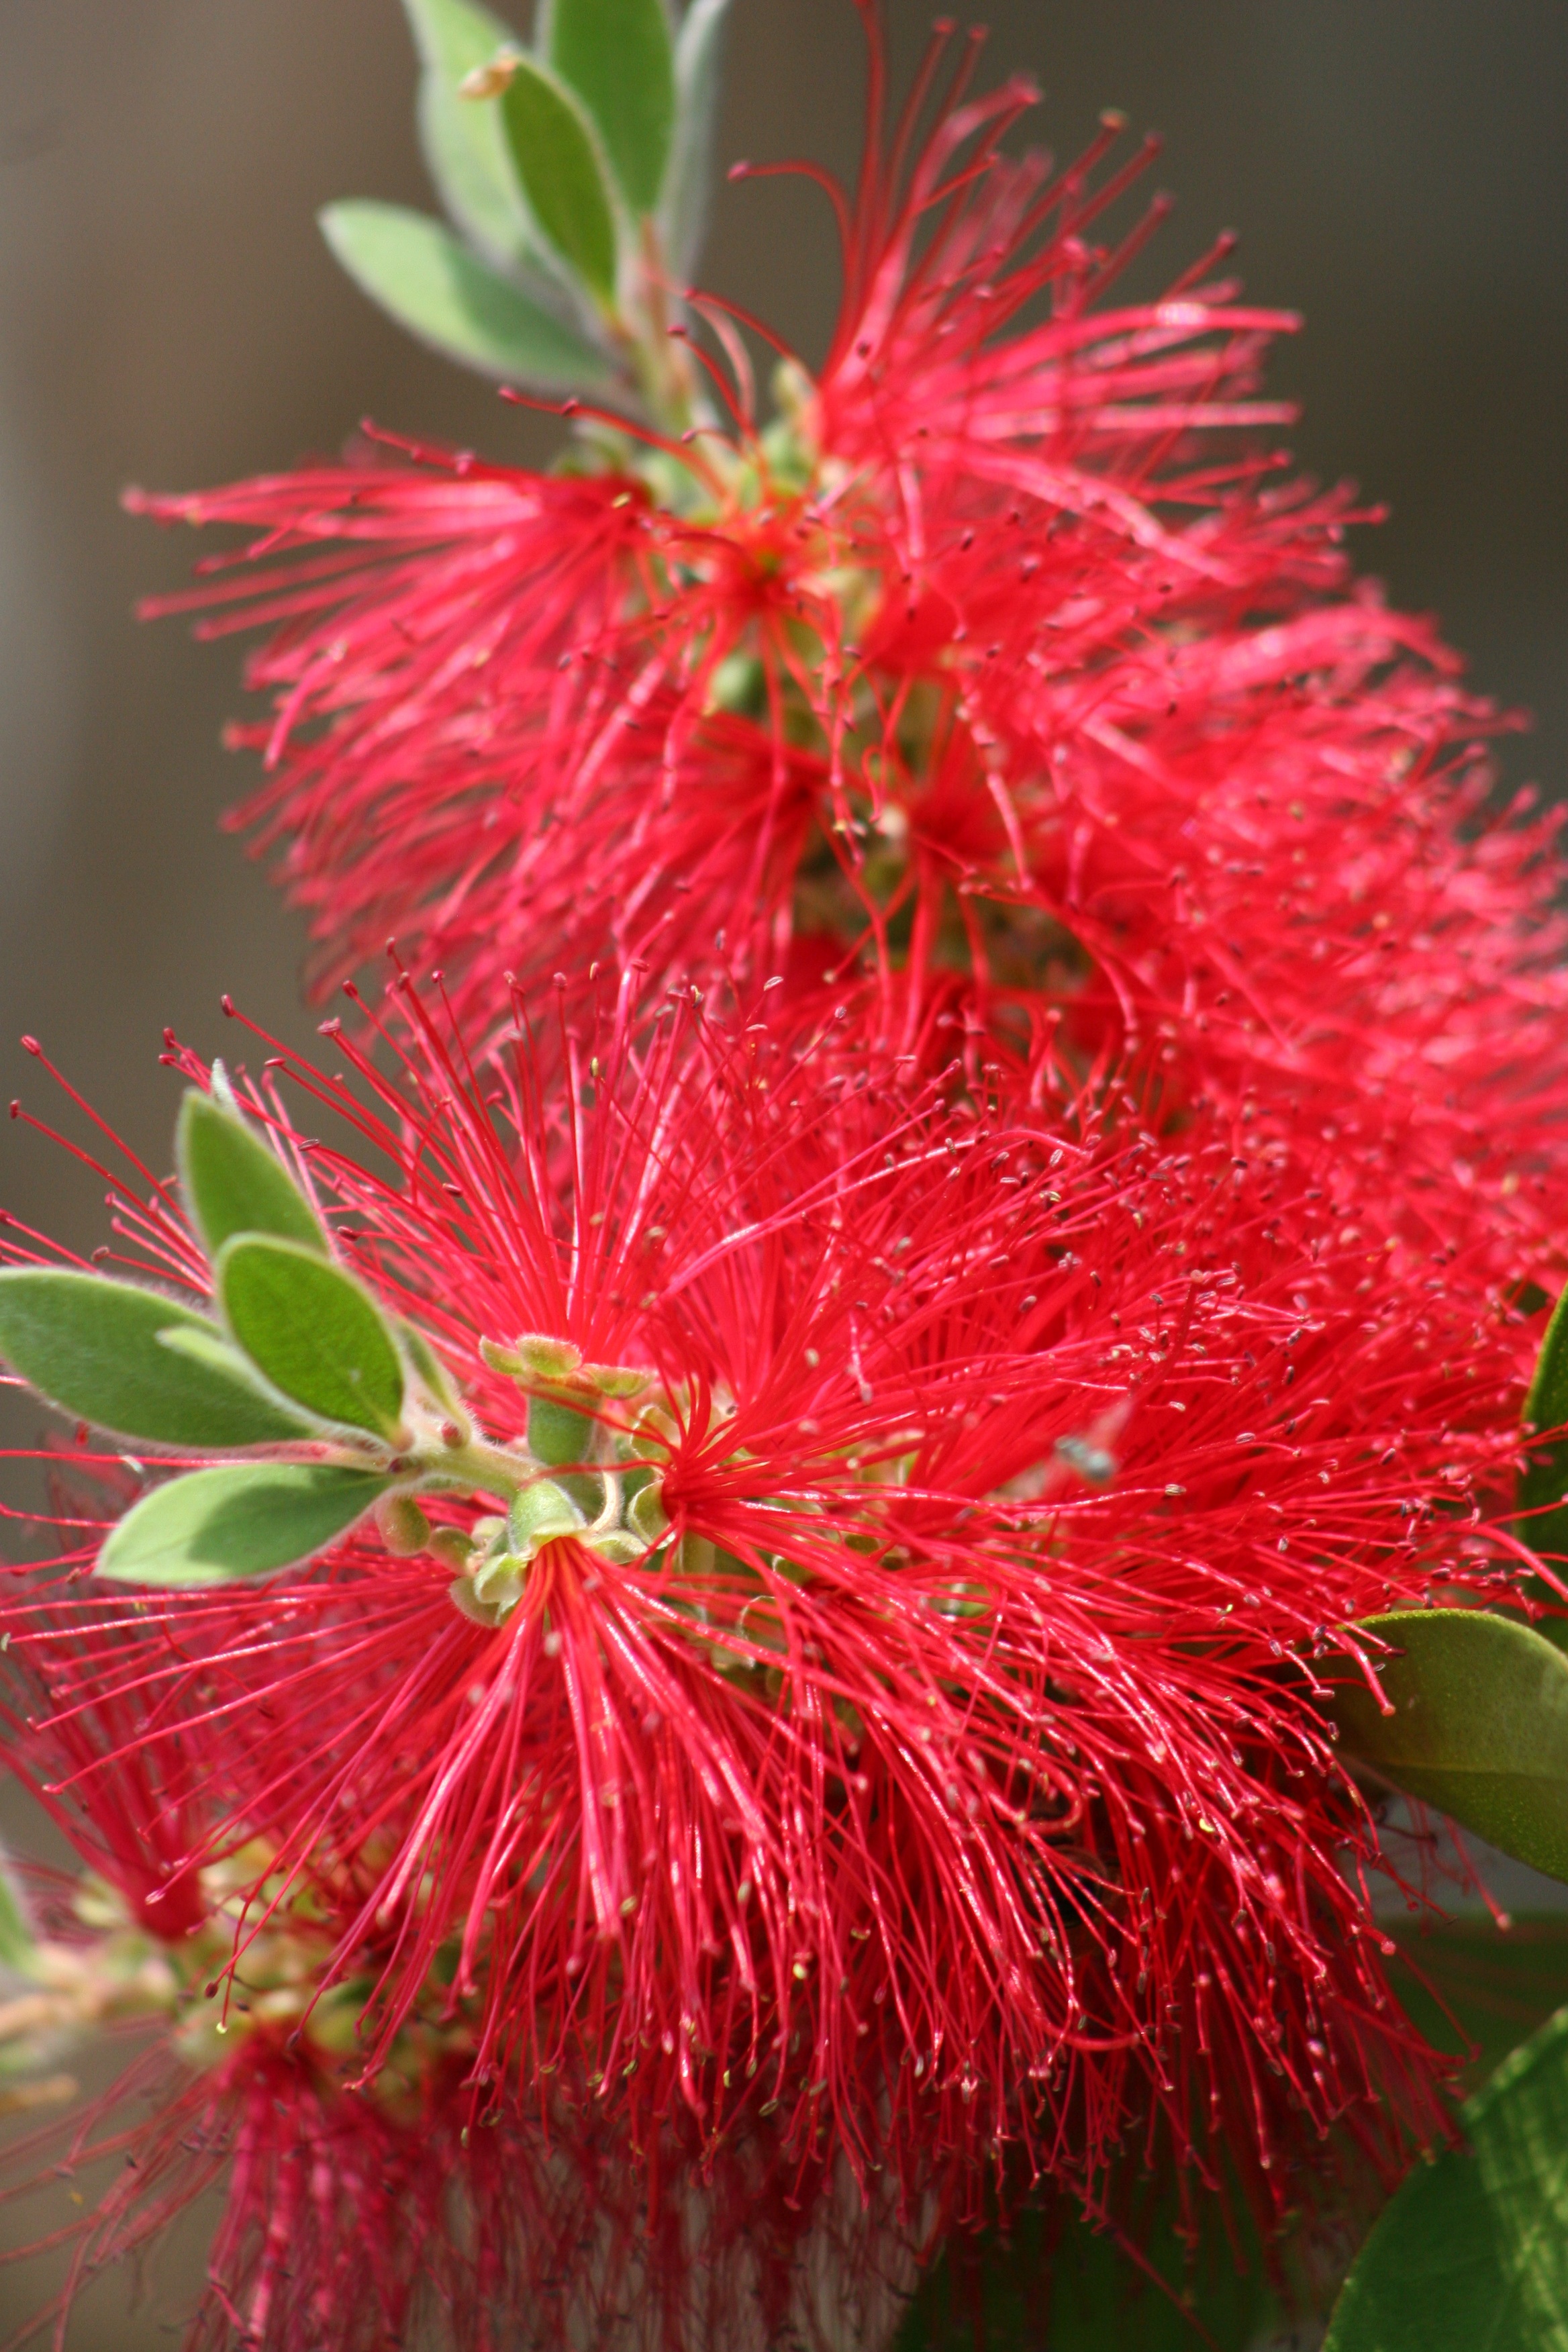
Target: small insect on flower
(791,1602)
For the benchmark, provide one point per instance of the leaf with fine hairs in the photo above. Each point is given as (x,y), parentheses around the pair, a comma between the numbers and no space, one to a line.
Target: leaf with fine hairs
(314,1332)
(427,281)
(97,1349)
(234,1182)
(244,1520)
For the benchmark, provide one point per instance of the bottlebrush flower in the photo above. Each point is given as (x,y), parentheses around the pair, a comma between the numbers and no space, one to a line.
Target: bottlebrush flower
(926,1755)
(354,2214)
(1004,687)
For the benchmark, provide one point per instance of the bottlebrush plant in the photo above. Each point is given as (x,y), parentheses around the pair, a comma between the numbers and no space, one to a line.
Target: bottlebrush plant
(751,1591)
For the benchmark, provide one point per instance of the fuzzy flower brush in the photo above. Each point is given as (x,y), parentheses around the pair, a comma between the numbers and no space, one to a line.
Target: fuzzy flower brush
(819,1593)
(751,1585)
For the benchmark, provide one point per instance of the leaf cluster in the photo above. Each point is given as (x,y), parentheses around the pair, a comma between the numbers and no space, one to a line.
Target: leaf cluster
(573,173)
(297,1360)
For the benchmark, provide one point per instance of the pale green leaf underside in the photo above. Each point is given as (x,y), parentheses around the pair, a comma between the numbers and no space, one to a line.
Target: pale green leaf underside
(1480,1726)
(426,279)
(244,1520)
(1472,2254)
(93,1348)
(618,57)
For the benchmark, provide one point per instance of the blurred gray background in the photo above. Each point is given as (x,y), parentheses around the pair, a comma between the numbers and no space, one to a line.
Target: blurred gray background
(169,316)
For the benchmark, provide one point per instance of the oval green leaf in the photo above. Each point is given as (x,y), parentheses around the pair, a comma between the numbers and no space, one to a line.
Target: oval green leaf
(312,1331)
(464,145)
(1479,1728)
(427,281)
(93,1348)
(618,57)
(248,1518)
(557,165)
(1472,2254)
(235,1183)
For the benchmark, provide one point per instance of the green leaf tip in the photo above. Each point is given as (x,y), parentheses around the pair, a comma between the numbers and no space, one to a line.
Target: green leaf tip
(1471,2255)
(233,1181)
(314,1332)
(619,58)
(464,145)
(97,1349)
(1479,1728)
(556,159)
(426,279)
(244,1520)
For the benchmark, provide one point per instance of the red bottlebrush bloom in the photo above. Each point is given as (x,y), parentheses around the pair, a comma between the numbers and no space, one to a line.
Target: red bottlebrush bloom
(359,2216)
(1003,684)
(927,1755)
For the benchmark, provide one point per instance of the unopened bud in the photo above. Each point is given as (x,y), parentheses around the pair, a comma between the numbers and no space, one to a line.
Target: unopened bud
(617,1547)
(543,1358)
(616,1379)
(538,1515)
(404,1527)
(451,1546)
(490,80)
(645,1514)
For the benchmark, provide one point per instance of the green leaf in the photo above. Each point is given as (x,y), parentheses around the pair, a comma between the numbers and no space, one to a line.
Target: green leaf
(1480,1725)
(314,1332)
(1545,1477)
(558,169)
(235,1183)
(16,1946)
(465,146)
(430,283)
(206,1345)
(683,214)
(1472,2254)
(248,1518)
(91,1345)
(618,57)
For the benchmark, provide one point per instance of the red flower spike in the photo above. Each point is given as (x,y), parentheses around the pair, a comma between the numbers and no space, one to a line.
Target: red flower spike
(1003,697)
(938,1769)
